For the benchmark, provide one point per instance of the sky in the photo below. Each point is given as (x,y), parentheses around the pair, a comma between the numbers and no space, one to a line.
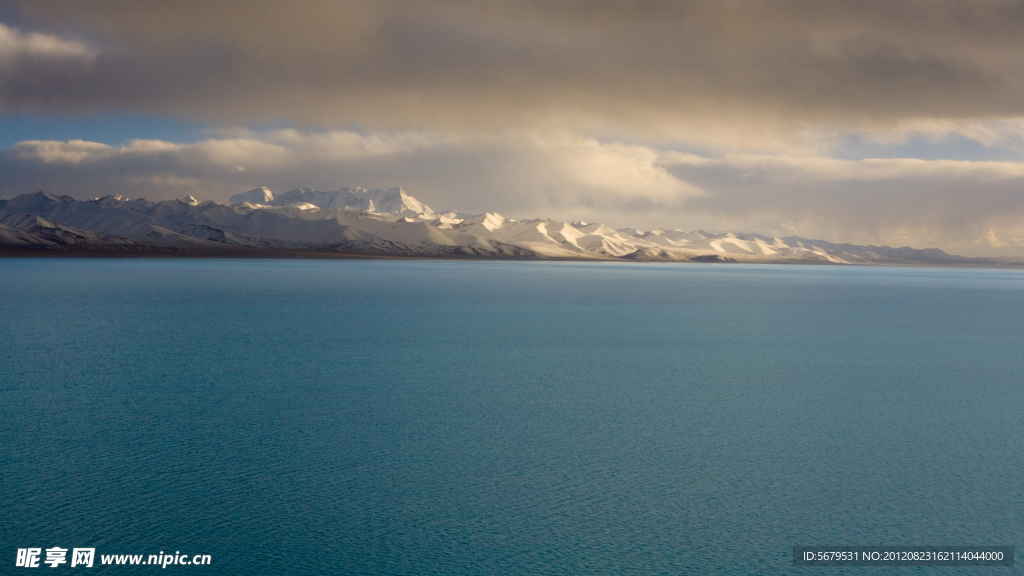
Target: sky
(882,122)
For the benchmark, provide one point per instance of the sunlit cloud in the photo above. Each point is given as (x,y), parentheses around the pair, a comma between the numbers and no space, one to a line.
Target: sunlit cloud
(15,44)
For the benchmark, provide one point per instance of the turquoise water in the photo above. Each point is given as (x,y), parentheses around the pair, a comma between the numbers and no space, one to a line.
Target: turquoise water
(403,417)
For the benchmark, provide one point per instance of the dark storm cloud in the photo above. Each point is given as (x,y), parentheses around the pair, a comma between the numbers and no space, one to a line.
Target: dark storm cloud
(649,65)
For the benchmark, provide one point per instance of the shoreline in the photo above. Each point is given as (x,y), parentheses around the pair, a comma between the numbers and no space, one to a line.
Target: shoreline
(252,253)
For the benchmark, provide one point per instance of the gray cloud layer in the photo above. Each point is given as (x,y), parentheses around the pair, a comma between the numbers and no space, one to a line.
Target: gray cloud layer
(727,70)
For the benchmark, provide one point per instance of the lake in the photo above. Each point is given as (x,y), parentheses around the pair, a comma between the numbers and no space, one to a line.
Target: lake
(387,417)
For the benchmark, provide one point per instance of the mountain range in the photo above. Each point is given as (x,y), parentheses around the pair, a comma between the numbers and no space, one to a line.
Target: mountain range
(354,221)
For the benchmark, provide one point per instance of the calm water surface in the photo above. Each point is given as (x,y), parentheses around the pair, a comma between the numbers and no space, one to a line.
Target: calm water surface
(401,418)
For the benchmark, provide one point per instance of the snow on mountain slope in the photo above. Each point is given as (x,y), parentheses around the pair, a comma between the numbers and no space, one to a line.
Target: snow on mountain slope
(25,230)
(258,197)
(389,222)
(483,223)
(390,201)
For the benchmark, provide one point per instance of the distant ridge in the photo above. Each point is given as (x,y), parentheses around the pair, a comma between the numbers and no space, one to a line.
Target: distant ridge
(389,201)
(388,223)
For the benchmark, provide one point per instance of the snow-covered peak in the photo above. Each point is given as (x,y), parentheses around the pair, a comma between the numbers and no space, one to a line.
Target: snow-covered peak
(256,196)
(597,228)
(635,232)
(109,199)
(365,205)
(684,236)
(488,220)
(389,201)
(29,201)
(395,200)
(455,214)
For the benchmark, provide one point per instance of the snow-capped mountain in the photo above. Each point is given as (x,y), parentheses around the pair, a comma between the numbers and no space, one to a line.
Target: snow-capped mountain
(390,201)
(386,223)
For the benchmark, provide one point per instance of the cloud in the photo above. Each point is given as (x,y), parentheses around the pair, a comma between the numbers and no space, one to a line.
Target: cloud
(39,66)
(15,45)
(939,203)
(722,73)
(556,174)
(971,208)
(847,121)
